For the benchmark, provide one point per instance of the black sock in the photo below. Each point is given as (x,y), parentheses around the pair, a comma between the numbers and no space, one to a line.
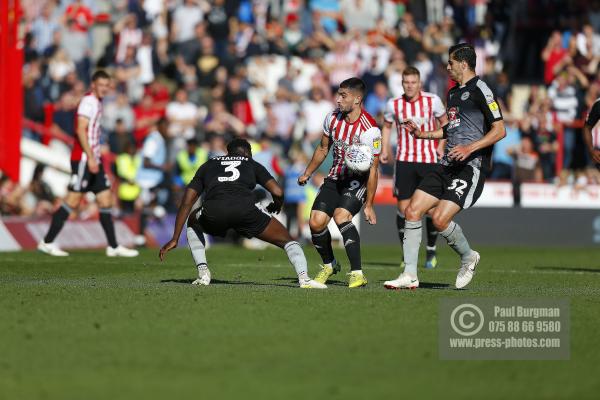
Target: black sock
(58,221)
(432,233)
(400,225)
(351,243)
(144,220)
(322,242)
(108,226)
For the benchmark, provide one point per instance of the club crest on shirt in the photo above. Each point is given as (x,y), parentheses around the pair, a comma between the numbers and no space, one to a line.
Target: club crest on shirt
(464,96)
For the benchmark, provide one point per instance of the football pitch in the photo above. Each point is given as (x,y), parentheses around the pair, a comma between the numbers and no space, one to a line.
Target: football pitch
(92,327)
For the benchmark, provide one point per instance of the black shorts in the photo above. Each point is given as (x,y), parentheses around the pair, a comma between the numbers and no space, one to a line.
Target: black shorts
(349,194)
(461,185)
(408,176)
(82,180)
(218,216)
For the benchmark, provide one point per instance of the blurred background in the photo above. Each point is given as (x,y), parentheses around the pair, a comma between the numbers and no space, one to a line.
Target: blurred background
(267,70)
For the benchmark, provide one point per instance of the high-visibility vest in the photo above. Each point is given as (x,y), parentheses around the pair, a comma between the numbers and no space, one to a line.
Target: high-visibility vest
(187,168)
(127,167)
(255,147)
(311,195)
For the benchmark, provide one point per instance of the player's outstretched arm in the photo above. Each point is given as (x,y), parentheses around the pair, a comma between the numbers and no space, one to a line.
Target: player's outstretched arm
(495,134)
(442,121)
(369,211)
(277,193)
(385,142)
(189,198)
(317,159)
(415,130)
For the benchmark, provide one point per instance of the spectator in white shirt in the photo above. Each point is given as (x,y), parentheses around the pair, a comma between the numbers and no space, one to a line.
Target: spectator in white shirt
(185,19)
(314,111)
(183,118)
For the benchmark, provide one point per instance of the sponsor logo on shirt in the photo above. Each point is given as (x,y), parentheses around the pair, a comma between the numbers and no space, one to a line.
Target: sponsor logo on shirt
(453,120)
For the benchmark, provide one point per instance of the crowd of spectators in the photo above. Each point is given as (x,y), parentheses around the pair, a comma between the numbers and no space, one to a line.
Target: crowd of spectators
(267,70)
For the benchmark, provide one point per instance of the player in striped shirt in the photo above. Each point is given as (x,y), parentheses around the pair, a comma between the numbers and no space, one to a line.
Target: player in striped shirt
(415,158)
(592,133)
(344,192)
(87,173)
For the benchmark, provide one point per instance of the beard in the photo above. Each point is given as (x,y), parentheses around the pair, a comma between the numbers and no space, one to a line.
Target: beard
(345,111)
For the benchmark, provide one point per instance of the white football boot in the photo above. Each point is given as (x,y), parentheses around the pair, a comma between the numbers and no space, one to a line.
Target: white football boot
(310,284)
(121,251)
(404,281)
(203,277)
(51,249)
(467,270)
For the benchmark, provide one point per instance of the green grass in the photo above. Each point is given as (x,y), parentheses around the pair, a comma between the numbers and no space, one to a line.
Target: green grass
(90,327)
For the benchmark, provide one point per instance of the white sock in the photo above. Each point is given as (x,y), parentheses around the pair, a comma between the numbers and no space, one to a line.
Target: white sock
(202,268)
(196,246)
(297,259)
(457,240)
(410,247)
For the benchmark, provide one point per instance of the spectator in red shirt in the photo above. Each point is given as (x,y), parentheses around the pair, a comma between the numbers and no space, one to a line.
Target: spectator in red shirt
(159,93)
(80,15)
(555,57)
(146,116)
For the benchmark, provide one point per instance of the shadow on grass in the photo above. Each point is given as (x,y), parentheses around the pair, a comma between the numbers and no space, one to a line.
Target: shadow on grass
(435,285)
(224,282)
(431,285)
(329,282)
(569,269)
(382,264)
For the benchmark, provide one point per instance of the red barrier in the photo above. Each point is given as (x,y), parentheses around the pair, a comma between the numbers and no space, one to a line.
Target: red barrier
(48,120)
(11,107)
(47,133)
(560,138)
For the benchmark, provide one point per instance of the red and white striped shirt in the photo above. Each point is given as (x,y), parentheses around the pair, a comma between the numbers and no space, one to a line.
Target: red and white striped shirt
(90,107)
(423,111)
(344,134)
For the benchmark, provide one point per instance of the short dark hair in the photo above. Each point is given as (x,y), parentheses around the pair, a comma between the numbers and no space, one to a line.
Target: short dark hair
(100,74)
(410,70)
(239,147)
(464,52)
(355,84)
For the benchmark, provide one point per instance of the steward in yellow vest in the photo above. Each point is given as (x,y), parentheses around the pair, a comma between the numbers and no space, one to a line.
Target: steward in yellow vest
(127,165)
(189,160)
